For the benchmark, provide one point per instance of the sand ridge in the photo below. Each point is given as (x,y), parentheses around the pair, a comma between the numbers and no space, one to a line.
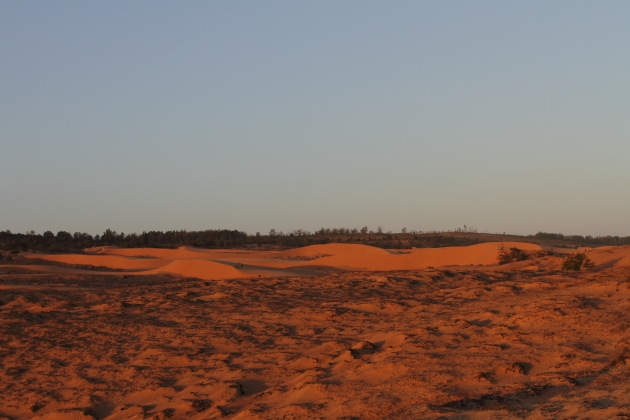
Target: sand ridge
(222,264)
(232,264)
(108,261)
(351,259)
(201,269)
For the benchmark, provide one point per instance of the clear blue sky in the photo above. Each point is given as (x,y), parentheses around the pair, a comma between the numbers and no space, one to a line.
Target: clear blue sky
(251,115)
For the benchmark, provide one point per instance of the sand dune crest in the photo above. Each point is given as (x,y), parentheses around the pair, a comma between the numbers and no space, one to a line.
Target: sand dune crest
(201,269)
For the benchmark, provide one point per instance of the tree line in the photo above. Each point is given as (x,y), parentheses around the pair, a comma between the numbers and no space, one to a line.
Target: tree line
(588,239)
(63,241)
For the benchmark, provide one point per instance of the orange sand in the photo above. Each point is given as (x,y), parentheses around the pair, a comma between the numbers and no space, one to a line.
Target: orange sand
(224,264)
(109,261)
(360,257)
(327,331)
(220,264)
(617,256)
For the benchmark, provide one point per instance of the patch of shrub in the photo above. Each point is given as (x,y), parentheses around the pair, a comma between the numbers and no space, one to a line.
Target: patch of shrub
(505,256)
(200,405)
(577,262)
(543,253)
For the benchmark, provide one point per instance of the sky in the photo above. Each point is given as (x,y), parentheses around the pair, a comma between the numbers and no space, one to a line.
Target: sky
(430,115)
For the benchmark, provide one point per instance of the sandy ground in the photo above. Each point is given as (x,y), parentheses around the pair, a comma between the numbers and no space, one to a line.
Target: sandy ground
(329,331)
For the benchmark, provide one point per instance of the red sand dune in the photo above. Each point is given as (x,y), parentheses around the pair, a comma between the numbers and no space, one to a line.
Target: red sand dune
(164,253)
(109,261)
(360,257)
(617,256)
(220,264)
(201,269)
(264,259)
(336,249)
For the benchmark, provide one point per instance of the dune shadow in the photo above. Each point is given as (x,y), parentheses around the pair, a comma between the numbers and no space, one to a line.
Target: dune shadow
(608,264)
(516,400)
(252,386)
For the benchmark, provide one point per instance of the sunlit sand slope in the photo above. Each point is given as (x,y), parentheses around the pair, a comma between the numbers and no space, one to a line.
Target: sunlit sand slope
(362,257)
(109,261)
(201,269)
(618,256)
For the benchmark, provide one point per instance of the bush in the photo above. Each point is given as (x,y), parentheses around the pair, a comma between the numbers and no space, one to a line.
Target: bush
(577,262)
(543,253)
(513,254)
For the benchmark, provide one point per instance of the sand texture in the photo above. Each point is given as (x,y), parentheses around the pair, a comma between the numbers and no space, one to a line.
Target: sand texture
(327,331)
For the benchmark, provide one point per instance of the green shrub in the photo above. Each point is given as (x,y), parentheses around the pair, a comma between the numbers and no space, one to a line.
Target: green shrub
(577,262)
(513,254)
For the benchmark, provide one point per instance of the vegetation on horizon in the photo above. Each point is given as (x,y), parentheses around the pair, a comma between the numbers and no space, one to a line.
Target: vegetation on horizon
(64,241)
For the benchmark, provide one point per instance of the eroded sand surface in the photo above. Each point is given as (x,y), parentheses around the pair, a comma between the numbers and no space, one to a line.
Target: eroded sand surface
(317,332)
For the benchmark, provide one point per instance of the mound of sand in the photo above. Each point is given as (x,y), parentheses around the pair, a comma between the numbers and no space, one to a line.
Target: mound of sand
(354,250)
(163,253)
(375,259)
(481,254)
(610,256)
(201,269)
(156,264)
(109,261)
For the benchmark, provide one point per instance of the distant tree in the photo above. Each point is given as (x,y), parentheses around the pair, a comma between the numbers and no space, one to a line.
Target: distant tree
(64,236)
(109,237)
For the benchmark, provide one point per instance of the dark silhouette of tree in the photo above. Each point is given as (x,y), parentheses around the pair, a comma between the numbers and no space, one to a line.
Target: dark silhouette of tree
(224,238)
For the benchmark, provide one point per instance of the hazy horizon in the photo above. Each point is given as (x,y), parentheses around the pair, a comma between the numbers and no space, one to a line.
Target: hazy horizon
(372,230)
(505,117)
